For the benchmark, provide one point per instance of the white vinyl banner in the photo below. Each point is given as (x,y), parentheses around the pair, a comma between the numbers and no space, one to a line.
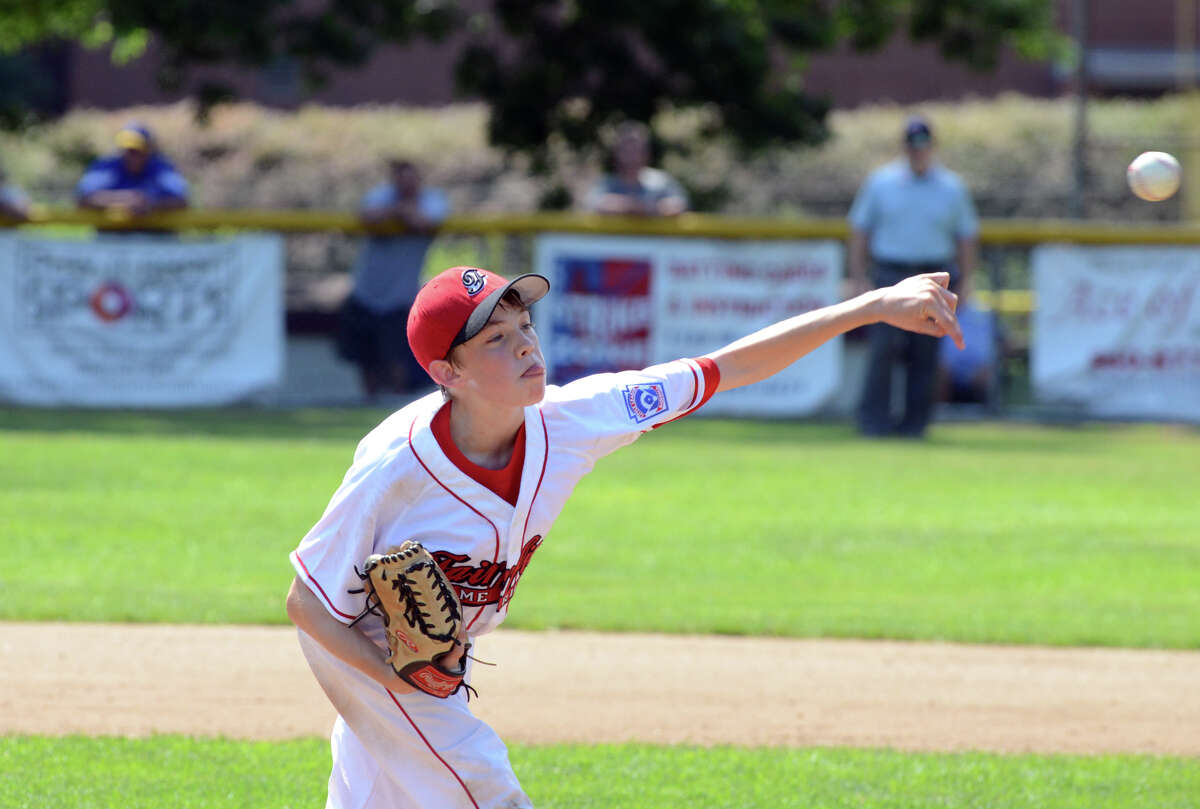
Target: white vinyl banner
(140,321)
(621,302)
(1117,330)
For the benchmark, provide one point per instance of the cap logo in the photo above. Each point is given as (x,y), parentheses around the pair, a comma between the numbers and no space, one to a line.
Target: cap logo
(473,280)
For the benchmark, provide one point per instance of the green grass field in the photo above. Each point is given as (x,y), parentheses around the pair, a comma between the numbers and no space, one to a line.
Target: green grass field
(986,532)
(182,773)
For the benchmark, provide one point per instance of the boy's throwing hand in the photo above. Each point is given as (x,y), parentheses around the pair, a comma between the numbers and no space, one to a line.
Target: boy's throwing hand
(923,304)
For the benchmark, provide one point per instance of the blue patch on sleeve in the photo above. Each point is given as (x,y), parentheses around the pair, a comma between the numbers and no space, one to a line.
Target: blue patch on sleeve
(645,400)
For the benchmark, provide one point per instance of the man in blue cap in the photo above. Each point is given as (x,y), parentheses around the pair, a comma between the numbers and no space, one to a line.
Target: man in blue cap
(911,216)
(137,179)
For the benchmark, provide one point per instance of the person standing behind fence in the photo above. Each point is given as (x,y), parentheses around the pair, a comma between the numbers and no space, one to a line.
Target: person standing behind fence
(634,188)
(971,374)
(137,180)
(374,316)
(911,216)
(14,202)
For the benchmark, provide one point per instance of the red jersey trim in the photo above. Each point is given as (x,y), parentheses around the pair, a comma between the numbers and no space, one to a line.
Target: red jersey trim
(495,530)
(538,488)
(504,483)
(712,380)
(436,755)
(321,590)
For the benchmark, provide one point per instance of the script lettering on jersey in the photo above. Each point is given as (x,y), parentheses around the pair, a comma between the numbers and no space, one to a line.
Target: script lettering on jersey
(485,583)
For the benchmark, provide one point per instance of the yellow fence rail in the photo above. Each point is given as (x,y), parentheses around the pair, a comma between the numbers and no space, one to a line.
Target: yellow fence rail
(992,231)
(1016,232)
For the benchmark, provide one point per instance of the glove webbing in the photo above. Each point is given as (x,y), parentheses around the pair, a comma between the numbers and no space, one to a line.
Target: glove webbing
(416,617)
(414,612)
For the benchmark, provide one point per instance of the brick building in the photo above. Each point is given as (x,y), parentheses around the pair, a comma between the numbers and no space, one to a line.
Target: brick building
(1132,48)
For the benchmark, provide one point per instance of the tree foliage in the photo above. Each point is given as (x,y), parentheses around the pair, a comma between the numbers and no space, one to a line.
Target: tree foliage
(569,68)
(315,36)
(556,69)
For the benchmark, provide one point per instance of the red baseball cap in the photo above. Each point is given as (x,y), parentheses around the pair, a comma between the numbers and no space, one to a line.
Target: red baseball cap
(457,303)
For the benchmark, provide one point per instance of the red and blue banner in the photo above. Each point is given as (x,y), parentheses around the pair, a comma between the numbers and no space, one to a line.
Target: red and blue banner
(626,302)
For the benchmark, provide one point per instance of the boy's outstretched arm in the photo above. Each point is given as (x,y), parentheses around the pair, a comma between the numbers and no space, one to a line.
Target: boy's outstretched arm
(921,304)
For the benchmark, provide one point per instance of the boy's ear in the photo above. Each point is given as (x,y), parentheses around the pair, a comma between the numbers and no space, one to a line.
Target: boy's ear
(444,373)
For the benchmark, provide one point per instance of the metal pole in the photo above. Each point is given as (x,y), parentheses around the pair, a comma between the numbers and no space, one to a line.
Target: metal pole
(1079,24)
(1185,81)
(1185,45)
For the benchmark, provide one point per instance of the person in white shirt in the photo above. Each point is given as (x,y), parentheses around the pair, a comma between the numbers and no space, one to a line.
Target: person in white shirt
(911,216)
(477,473)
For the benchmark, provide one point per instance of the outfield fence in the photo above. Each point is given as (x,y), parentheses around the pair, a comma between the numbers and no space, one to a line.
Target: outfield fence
(1003,279)
(319,249)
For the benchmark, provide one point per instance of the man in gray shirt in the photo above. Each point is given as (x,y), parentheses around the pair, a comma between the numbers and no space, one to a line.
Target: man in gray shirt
(374,318)
(634,188)
(911,216)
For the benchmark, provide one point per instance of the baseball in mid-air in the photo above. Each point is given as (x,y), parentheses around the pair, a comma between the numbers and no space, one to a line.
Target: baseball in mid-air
(1154,176)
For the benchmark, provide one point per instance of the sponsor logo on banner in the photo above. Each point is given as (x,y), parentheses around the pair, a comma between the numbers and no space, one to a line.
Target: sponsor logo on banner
(57,288)
(140,321)
(601,320)
(1116,331)
(645,401)
(629,302)
(111,302)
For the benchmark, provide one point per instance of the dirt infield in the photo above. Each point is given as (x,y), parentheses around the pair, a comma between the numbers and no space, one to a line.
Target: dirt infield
(251,682)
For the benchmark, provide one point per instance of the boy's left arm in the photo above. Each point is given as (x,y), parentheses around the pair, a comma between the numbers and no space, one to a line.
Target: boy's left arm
(921,304)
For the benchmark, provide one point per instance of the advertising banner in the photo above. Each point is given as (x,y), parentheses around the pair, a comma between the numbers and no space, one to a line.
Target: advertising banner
(140,321)
(1117,330)
(622,302)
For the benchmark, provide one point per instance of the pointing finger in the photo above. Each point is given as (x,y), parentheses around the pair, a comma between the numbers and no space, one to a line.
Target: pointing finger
(944,317)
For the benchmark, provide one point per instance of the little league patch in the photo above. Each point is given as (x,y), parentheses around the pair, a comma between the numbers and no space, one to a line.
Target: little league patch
(644,401)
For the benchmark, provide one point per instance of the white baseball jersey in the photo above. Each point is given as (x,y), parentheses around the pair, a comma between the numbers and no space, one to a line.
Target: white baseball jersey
(415,750)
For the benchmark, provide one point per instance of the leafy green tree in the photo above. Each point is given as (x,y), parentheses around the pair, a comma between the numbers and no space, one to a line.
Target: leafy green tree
(558,71)
(564,71)
(568,68)
(316,36)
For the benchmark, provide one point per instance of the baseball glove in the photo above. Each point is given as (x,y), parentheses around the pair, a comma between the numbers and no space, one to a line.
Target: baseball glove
(421,613)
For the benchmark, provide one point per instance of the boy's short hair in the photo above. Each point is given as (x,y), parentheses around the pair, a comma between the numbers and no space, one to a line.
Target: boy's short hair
(511,300)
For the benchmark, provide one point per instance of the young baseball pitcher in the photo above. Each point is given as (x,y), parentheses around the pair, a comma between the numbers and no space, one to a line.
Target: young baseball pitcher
(476,475)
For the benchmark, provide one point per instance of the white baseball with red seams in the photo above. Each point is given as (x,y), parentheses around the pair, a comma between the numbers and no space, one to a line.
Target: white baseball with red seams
(414,750)
(1154,176)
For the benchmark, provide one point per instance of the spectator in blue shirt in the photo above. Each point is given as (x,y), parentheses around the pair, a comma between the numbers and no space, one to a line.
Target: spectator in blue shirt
(372,331)
(137,179)
(971,374)
(911,216)
(14,203)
